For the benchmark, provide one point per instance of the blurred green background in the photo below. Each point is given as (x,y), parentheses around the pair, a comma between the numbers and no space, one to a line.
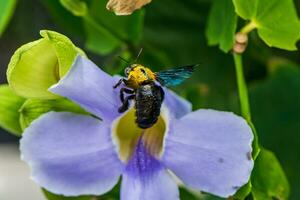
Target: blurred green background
(172,33)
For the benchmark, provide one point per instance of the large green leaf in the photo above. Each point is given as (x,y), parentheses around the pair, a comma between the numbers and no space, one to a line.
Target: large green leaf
(33,108)
(276,115)
(98,39)
(268,179)
(7,8)
(276,21)
(10,104)
(222,23)
(65,20)
(76,7)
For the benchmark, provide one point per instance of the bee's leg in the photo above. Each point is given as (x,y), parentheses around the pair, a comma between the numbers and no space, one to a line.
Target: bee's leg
(118,83)
(125,90)
(125,105)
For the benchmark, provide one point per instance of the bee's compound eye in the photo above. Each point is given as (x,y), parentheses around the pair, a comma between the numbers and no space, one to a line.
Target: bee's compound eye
(127,71)
(143,71)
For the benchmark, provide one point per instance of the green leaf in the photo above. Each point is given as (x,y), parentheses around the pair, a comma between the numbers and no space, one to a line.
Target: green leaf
(33,108)
(77,7)
(106,32)
(268,178)
(10,104)
(276,115)
(64,19)
(255,143)
(276,21)
(243,192)
(37,65)
(128,28)
(51,196)
(7,8)
(222,23)
(98,39)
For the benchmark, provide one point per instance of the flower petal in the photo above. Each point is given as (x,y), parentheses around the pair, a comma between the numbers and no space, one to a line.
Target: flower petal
(146,179)
(90,87)
(125,7)
(71,154)
(176,104)
(210,150)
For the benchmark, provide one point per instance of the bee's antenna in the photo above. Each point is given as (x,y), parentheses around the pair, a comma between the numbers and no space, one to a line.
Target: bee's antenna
(140,52)
(124,59)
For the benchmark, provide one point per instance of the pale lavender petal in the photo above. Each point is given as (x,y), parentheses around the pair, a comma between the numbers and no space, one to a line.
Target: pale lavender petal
(71,154)
(177,105)
(210,151)
(146,179)
(90,87)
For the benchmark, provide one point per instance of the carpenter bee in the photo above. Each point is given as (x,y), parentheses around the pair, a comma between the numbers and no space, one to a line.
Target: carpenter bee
(141,85)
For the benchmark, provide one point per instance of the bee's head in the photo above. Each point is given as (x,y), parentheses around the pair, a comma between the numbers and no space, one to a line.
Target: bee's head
(127,70)
(138,73)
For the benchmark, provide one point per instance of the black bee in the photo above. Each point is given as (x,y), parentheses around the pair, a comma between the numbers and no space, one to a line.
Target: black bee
(148,95)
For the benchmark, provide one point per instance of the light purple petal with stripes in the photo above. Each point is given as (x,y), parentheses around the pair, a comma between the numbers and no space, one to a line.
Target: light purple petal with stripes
(176,104)
(91,88)
(71,154)
(210,151)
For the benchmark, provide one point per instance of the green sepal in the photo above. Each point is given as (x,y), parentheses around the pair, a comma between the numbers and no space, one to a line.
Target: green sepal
(10,104)
(222,24)
(113,194)
(33,108)
(37,65)
(65,50)
(268,178)
(276,21)
(52,196)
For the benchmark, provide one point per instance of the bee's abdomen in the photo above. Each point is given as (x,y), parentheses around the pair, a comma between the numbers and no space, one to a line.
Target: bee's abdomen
(148,102)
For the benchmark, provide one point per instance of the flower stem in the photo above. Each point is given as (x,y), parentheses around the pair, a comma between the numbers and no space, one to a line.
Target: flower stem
(242,87)
(244,100)
(249,27)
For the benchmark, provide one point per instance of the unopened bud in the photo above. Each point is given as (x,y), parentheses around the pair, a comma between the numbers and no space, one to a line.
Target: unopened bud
(241,41)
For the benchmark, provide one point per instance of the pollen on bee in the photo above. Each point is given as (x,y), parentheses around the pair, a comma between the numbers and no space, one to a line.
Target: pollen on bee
(139,74)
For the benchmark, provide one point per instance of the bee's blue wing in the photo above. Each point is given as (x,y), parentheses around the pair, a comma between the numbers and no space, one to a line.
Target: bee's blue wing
(174,76)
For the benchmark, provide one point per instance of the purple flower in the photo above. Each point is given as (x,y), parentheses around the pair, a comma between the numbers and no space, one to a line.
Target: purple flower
(73,154)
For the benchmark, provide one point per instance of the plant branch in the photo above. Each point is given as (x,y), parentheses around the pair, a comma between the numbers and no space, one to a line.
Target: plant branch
(242,87)
(249,27)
